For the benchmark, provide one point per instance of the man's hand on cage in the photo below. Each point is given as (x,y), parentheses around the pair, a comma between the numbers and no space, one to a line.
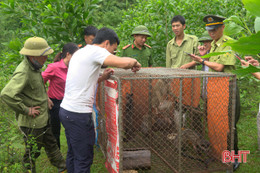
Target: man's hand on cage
(136,67)
(106,74)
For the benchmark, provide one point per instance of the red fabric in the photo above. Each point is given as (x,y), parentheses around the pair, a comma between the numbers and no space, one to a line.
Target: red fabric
(56,74)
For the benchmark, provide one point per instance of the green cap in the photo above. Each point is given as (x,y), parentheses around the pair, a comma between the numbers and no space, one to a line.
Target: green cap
(213,21)
(36,46)
(142,30)
(205,37)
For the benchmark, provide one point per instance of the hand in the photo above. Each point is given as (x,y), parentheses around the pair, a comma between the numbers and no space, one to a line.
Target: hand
(244,63)
(33,111)
(136,67)
(184,66)
(252,61)
(196,58)
(50,103)
(107,73)
(202,50)
(248,58)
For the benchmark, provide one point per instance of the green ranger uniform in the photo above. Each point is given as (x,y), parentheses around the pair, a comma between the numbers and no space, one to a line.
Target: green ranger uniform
(228,59)
(143,56)
(175,56)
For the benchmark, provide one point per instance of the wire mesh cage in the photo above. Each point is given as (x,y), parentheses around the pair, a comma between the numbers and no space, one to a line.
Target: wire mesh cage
(166,120)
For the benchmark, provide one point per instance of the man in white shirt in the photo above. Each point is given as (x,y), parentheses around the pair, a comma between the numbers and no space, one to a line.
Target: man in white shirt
(76,107)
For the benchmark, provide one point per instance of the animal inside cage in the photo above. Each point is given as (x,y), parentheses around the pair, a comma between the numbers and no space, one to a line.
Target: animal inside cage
(166,120)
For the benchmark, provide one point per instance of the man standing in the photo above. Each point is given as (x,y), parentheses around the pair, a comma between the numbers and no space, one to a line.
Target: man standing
(26,95)
(139,50)
(181,43)
(76,107)
(221,63)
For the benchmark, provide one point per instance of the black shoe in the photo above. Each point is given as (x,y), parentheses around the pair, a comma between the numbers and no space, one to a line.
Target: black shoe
(236,165)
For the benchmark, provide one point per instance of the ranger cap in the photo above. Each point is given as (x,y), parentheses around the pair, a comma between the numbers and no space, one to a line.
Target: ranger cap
(205,37)
(213,21)
(36,46)
(142,30)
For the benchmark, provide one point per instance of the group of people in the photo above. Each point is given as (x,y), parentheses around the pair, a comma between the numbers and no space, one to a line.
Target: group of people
(75,74)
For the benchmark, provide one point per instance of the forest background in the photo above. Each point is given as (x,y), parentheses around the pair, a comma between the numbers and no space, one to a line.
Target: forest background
(60,22)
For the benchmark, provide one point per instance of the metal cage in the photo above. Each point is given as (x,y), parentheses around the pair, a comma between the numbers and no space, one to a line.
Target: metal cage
(168,120)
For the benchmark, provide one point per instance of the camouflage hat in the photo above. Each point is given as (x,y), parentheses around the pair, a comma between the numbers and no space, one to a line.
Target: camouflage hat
(213,21)
(36,46)
(141,29)
(205,37)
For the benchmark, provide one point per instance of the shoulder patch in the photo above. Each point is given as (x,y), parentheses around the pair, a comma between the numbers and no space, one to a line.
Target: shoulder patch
(126,46)
(147,45)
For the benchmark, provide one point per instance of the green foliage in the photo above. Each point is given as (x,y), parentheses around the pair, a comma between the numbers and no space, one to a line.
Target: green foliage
(110,13)
(252,6)
(57,21)
(246,45)
(10,141)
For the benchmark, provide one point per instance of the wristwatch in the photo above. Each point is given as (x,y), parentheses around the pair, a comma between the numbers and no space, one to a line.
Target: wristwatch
(203,62)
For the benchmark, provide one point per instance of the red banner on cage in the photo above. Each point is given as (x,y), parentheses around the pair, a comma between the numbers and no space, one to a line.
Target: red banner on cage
(111,109)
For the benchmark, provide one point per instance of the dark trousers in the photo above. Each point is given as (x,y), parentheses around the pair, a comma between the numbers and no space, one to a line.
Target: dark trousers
(80,134)
(34,140)
(55,120)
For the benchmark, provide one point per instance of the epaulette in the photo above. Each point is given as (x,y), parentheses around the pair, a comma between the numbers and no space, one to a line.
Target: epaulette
(79,45)
(126,46)
(147,45)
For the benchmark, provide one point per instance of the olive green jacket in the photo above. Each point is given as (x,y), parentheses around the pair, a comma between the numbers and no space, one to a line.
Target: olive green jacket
(228,59)
(143,56)
(175,56)
(26,89)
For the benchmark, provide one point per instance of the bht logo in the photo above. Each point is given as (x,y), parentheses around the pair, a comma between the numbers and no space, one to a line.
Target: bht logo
(228,156)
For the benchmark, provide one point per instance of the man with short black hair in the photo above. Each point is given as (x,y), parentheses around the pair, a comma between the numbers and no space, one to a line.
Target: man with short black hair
(181,43)
(89,34)
(76,107)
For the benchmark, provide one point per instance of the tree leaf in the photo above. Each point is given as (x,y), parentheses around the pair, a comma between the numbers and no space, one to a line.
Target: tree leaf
(235,19)
(257,24)
(232,28)
(65,15)
(247,70)
(246,45)
(253,6)
(216,53)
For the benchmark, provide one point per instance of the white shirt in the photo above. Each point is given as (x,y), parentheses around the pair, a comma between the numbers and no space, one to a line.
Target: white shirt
(82,77)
